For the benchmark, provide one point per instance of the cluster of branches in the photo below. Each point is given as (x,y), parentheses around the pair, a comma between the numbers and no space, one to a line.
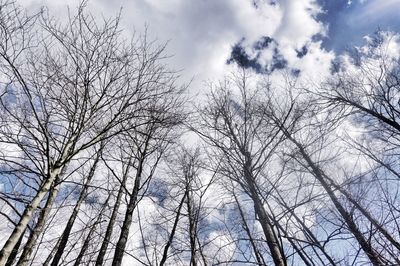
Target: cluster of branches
(93,170)
(319,166)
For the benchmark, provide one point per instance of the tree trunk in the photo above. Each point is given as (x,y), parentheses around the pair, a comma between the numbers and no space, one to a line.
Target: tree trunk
(259,257)
(65,235)
(110,226)
(88,238)
(192,229)
(14,253)
(272,241)
(27,215)
(51,254)
(172,234)
(38,229)
(369,217)
(353,228)
(121,244)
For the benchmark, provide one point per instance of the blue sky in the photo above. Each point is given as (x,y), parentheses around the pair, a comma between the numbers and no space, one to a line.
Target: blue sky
(349,21)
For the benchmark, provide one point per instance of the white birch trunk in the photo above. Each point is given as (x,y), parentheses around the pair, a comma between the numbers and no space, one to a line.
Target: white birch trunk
(27,216)
(38,229)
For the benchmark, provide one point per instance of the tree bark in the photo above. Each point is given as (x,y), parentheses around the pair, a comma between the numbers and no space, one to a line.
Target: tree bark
(14,253)
(369,217)
(259,258)
(272,241)
(72,218)
(353,228)
(51,254)
(110,226)
(192,228)
(27,215)
(38,229)
(121,244)
(88,238)
(172,234)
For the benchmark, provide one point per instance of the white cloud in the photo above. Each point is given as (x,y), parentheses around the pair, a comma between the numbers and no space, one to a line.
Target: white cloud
(201,33)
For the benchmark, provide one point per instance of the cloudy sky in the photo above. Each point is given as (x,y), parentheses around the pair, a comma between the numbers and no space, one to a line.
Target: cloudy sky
(208,37)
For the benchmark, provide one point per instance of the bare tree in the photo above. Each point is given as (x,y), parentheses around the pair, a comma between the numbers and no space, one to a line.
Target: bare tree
(182,210)
(256,250)
(89,236)
(67,88)
(90,129)
(231,123)
(83,194)
(363,93)
(146,146)
(292,129)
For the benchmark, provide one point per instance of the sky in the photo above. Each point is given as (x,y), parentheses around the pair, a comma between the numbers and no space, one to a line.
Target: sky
(207,38)
(349,21)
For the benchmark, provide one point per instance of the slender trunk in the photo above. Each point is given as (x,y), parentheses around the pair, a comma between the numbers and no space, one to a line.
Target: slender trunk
(85,246)
(39,227)
(272,241)
(172,234)
(259,258)
(121,244)
(353,228)
(299,251)
(110,226)
(270,236)
(68,228)
(201,252)
(307,231)
(88,238)
(369,217)
(303,255)
(51,254)
(192,229)
(27,215)
(14,253)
